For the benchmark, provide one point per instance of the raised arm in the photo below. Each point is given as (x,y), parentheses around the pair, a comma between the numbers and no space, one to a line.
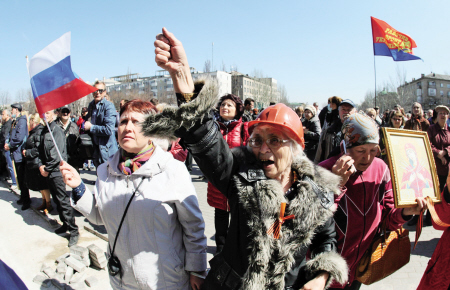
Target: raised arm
(170,55)
(191,121)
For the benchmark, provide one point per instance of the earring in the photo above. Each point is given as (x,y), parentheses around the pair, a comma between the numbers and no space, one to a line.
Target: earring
(149,141)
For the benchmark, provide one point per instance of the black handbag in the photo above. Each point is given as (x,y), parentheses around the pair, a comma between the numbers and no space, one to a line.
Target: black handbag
(86,147)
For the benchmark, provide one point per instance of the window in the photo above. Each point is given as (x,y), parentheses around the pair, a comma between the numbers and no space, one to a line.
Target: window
(419,92)
(419,99)
(431,83)
(441,93)
(448,94)
(448,86)
(432,92)
(419,85)
(442,85)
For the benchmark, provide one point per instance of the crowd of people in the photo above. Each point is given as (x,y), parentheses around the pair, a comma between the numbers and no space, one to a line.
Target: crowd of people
(298,194)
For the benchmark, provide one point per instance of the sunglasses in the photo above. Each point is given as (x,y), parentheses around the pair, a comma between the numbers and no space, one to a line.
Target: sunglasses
(100,91)
(65,112)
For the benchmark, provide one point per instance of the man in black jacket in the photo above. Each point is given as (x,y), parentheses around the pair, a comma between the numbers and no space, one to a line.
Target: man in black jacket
(4,136)
(49,167)
(72,134)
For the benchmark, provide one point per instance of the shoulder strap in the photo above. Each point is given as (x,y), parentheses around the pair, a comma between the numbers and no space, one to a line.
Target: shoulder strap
(123,217)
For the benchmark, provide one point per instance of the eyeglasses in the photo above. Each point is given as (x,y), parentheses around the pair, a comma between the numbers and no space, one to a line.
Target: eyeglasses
(272,143)
(99,91)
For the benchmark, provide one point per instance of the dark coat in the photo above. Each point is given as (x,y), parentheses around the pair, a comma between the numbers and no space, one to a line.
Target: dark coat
(251,259)
(72,134)
(440,140)
(235,134)
(18,137)
(312,136)
(255,201)
(35,181)
(48,155)
(4,133)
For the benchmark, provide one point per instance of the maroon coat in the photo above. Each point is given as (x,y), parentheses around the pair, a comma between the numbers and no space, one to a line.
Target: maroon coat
(436,274)
(418,124)
(440,140)
(365,200)
(236,134)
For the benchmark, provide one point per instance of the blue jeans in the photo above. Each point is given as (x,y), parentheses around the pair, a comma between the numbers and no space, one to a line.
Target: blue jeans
(7,155)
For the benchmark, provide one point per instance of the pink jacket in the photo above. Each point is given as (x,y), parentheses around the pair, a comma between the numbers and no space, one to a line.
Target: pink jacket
(366,198)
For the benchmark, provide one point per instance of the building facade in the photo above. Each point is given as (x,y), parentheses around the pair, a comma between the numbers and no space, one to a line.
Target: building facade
(429,90)
(262,90)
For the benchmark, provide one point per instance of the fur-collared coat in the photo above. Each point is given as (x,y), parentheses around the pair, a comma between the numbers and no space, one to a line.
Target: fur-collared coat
(252,259)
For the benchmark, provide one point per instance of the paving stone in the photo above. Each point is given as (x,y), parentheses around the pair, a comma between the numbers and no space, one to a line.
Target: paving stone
(77,286)
(62,267)
(80,251)
(77,277)
(68,275)
(62,258)
(42,280)
(91,281)
(94,249)
(75,264)
(43,266)
(50,272)
(59,277)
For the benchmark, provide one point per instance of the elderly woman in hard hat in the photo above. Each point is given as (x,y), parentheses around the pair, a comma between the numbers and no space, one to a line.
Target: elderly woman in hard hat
(281,204)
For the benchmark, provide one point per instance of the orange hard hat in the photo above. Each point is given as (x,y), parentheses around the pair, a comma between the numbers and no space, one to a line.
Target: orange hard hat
(283,116)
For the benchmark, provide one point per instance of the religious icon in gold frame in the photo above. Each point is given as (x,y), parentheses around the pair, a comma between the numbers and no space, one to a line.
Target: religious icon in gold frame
(412,166)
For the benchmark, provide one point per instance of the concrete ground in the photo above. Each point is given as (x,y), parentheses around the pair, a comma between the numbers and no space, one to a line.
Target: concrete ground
(27,239)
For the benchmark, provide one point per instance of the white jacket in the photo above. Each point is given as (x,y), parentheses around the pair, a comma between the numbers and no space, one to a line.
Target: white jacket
(162,236)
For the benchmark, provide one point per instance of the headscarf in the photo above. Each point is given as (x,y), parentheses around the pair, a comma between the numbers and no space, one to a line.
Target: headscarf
(359,129)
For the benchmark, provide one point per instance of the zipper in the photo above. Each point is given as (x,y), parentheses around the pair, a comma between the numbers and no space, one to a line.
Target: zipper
(364,217)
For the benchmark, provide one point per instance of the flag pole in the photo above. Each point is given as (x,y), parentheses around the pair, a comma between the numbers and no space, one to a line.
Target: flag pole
(375,70)
(50,130)
(374,66)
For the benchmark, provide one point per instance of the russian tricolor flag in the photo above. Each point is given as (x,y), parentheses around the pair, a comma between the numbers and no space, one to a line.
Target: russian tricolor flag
(53,82)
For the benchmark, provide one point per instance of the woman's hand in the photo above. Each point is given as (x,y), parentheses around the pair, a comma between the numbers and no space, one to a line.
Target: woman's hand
(69,174)
(317,283)
(196,282)
(342,167)
(170,55)
(421,204)
(42,171)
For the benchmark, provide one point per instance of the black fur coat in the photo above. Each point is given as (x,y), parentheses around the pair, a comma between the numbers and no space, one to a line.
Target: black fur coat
(257,259)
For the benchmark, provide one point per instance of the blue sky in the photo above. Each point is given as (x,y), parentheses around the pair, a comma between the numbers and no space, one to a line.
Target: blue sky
(317,49)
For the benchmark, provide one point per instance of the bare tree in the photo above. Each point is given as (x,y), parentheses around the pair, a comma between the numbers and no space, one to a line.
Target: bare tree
(283,95)
(207,66)
(224,67)
(5,99)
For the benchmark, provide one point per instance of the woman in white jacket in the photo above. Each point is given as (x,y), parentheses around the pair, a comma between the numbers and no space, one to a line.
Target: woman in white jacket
(161,243)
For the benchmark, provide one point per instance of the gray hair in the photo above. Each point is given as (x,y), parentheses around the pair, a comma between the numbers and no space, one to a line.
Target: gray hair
(8,112)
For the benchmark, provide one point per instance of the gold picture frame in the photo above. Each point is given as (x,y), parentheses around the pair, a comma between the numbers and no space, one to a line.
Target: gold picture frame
(412,166)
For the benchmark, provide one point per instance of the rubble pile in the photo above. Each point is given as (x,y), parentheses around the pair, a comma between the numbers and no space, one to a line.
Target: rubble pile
(70,272)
